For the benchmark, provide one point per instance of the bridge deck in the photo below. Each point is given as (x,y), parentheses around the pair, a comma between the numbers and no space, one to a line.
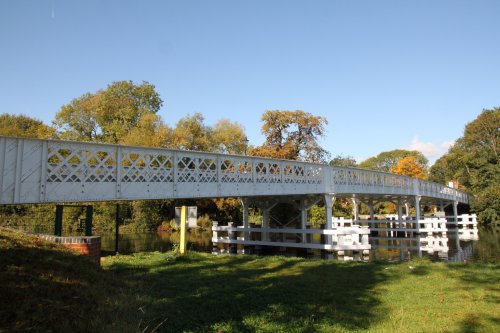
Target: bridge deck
(40,171)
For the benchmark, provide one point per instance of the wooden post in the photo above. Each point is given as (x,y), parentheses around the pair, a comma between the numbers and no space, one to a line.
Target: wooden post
(182,247)
(233,249)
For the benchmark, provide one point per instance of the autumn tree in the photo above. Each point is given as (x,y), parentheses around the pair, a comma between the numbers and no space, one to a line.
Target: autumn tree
(292,135)
(24,126)
(109,115)
(473,162)
(386,160)
(229,137)
(191,133)
(150,131)
(408,166)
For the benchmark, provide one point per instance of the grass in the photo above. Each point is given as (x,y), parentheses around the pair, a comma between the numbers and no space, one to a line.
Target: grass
(160,292)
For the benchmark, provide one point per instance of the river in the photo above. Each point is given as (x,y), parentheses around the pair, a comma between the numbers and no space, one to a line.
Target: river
(456,246)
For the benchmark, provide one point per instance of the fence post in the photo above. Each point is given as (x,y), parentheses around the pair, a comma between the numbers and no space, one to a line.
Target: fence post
(232,236)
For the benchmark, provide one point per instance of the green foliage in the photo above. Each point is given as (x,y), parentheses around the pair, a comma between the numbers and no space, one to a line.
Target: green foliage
(344,162)
(317,216)
(146,215)
(25,127)
(473,163)
(109,115)
(386,160)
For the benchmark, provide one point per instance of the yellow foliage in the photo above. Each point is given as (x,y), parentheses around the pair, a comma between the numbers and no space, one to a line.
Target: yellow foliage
(408,166)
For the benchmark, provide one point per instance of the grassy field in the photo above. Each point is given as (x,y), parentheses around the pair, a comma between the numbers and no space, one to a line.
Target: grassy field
(44,287)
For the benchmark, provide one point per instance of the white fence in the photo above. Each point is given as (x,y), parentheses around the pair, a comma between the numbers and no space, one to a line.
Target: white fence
(340,239)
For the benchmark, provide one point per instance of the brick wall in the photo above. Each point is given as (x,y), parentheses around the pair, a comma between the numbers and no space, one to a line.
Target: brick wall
(89,246)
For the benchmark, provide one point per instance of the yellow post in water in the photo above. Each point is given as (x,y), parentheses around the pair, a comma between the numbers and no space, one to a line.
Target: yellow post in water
(182,248)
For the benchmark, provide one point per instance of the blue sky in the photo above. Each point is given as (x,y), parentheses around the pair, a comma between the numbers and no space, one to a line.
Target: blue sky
(386,74)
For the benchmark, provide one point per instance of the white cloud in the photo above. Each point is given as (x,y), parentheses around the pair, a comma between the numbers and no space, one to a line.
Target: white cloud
(429,149)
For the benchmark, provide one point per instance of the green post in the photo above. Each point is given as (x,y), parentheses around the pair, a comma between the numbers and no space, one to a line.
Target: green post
(58,222)
(117,226)
(182,248)
(88,221)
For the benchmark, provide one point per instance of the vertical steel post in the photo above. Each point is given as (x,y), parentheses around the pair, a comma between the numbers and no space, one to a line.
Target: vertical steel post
(417,212)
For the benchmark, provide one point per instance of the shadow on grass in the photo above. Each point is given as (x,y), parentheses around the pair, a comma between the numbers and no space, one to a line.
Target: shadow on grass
(47,288)
(246,294)
(474,323)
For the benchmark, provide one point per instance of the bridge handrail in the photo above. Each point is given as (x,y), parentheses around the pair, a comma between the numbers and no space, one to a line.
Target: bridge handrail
(56,161)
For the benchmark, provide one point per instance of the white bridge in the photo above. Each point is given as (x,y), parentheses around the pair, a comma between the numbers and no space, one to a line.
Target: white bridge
(51,171)
(45,171)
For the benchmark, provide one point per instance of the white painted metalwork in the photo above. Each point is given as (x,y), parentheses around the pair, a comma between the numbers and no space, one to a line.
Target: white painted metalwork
(38,171)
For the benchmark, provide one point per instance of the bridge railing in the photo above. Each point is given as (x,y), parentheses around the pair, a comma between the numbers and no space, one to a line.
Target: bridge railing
(33,171)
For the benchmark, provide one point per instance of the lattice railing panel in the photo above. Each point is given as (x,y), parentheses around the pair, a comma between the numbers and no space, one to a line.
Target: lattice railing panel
(236,170)
(267,172)
(293,173)
(74,163)
(138,166)
(193,168)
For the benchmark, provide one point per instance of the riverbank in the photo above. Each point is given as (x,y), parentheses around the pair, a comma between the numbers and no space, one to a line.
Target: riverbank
(44,286)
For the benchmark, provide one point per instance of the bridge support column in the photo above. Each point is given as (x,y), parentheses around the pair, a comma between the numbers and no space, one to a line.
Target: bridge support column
(245,203)
(329,199)
(303,218)
(417,212)
(455,212)
(355,209)
(400,214)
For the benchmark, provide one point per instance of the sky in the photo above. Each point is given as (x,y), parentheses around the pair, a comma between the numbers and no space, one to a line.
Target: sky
(385,74)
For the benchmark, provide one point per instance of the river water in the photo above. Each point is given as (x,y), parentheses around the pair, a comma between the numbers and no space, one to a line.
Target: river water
(482,245)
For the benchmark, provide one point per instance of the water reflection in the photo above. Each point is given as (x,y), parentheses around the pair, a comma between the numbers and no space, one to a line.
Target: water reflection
(457,245)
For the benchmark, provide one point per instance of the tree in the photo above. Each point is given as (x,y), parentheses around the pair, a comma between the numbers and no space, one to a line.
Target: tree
(78,120)
(292,135)
(386,160)
(122,106)
(344,162)
(408,166)
(192,134)
(228,137)
(473,163)
(150,131)
(108,115)
(24,126)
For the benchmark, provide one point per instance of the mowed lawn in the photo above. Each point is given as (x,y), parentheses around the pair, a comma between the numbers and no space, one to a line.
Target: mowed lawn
(45,287)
